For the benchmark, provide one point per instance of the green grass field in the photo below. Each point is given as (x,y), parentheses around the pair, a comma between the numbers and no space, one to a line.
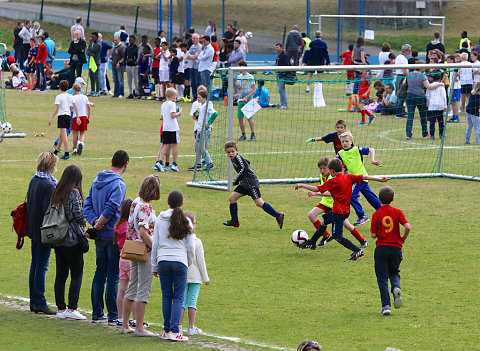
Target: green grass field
(264,290)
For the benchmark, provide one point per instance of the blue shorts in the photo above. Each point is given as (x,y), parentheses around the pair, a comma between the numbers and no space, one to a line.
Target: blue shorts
(191,295)
(456,94)
(187,73)
(337,223)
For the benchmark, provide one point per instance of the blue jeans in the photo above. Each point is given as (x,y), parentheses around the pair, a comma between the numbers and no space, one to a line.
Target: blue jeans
(369,195)
(107,271)
(472,122)
(420,102)
(173,280)
(194,82)
(205,78)
(38,271)
(387,266)
(40,73)
(117,74)
(356,83)
(283,93)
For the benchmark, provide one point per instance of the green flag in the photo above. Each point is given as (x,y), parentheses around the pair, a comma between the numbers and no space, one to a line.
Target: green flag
(92,66)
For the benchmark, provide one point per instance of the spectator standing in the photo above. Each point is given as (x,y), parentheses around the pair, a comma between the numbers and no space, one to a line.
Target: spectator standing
(94,52)
(293,44)
(192,56)
(77,57)
(131,59)
(237,55)
(464,38)
(205,59)
(383,54)
(26,34)
(122,34)
(77,28)
(40,62)
(40,190)
(316,55)
(243,39)
(282,60)
(435,43)
(104,53)
(52,51)
(102,210)
(18,44)
(401,59)
(118,59)
(358,57)
(37,31)
(211,29)
(216,51)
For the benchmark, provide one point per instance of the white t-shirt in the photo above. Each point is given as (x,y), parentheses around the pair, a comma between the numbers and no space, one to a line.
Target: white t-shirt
(476,72)
(169,124)
(466,76)
(196,106)
(81,101)
(16,82)
(163,63)
(400,60)
(181,63)
(457,82)
(437,99)
(65,100)
(244,41)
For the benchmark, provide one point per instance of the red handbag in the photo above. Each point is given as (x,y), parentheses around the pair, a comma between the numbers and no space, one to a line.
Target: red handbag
(19,216)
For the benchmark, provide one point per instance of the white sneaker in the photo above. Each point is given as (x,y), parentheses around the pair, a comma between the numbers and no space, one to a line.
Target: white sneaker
(74,315)
(120,96)
(110,92)
(177,337)
(174,168)
(62,315)
(166,336)
(194,331)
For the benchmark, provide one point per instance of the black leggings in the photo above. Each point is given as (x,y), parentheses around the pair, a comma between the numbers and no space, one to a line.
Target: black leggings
(75,68)
(69,259)
(436,116)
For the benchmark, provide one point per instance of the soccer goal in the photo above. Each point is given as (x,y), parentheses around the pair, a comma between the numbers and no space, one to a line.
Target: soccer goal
(376,29)
(280,153)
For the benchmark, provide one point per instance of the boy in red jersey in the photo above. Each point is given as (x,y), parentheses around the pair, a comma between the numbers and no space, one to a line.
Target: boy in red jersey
(334,137)
(388,254)
(347,61)
(364,97)
(340,188)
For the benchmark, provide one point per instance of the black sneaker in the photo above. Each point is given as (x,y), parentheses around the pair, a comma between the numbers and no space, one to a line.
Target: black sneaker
(280,219)
(325,240)
(74,153)
(243,137)
(209,166)
(356,255)
(308,245)
(133,324)
(113,322)
(253,137)
(231,223)
(195,168)
(80,148)
(130,96)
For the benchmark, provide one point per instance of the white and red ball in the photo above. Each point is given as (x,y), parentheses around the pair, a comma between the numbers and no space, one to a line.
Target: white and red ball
(299,236)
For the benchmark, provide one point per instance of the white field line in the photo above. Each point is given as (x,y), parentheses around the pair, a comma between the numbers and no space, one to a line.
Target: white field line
(228,338)
(280,152)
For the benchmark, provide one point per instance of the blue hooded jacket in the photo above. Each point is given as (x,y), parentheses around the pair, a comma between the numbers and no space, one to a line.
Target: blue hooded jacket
(105,198)
(262,94)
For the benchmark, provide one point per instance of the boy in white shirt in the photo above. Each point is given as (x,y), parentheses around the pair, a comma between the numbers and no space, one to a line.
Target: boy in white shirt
(437,105)
(194,111)
(169,115)
(164,72)
(64,103)
(466,81)
(206,117)
(80,120)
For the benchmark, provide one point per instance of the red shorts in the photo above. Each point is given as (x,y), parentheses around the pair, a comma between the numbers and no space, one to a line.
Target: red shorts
(79,127)
(350,75)
(324,208)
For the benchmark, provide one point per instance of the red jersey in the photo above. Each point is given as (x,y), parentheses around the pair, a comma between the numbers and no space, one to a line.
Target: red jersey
(364,91)
(42,54)
(347,58)
(156,62)
(340,187)
(215,49)
(386,224)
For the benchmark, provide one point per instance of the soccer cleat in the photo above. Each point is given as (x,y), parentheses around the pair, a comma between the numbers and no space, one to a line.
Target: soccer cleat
(231,223)
(80,148)
(173,168)
(356,255)
(243,137)
(371,118)
(158,167)
(74,153)
(209,166)
(308,245)
(74,315)
(194,331)
(195,168)
(65,157)
(385,310)
(280,219)
(362,220)
(324,240)
(361,123)
(397,297)
(364,244)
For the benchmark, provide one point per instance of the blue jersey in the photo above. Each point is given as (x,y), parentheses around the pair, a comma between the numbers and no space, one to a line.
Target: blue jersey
(262,94)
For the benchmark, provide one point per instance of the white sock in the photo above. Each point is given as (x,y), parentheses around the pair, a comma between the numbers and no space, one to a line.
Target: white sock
(157,90)
(181,89)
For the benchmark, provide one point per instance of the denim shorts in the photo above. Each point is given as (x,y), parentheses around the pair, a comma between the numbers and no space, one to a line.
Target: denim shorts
(191,295)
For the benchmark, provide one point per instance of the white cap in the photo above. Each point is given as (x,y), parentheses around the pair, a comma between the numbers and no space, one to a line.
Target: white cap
(80,80)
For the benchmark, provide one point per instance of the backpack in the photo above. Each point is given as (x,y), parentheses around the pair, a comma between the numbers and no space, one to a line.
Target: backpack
(19,216)
(55,225)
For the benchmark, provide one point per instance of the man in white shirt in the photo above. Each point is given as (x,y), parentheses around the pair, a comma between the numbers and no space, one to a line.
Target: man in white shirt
(205,59)
(401,75)
(25,34)
(192,56)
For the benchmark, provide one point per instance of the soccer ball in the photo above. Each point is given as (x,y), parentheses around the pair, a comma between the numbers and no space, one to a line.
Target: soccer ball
(249,35)
(299,236)
(6,127)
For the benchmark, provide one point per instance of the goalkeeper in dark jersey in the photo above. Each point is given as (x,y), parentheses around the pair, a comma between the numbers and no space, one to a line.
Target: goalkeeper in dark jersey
(247,184)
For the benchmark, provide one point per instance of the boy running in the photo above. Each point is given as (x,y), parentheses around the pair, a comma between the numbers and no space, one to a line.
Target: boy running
(340,188)
(80,120)
(334,137)
(247,184)
(388,253)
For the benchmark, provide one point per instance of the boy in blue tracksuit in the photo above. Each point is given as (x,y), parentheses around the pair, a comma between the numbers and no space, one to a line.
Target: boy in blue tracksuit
(102,210)
(262,94)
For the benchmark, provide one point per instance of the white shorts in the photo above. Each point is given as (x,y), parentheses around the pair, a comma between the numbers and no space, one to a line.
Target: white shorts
(164,76)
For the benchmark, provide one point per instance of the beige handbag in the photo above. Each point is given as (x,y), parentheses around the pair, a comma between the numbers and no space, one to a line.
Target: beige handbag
(134,251)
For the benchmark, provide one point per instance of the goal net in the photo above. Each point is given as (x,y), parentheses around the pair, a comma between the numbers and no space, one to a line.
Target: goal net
(280,153)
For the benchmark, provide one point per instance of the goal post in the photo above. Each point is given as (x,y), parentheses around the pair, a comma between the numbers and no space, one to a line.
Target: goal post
(280,154)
